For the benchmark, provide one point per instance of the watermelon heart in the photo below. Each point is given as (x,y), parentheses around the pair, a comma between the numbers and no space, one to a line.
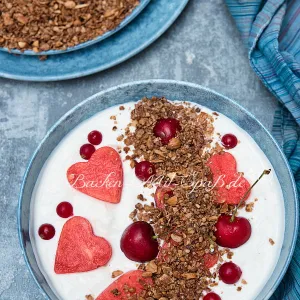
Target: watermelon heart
(120,288)
(101,177)
(233,186)
(79,250)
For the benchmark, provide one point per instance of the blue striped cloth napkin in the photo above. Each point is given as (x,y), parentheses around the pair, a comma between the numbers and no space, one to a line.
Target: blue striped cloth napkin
(270,30)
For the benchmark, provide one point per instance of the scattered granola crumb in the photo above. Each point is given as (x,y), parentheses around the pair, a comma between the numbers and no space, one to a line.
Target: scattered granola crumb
(116,273)
(133,214)
(244,281)
(132,164)
(114,128)
(113,117)
(239,288)
(249,207)
(126,150)
(43,57)
(230,254)
(271,241)
(215,113)
(89,297)
(141,197)
(121,107)
(255,199)
(120,138)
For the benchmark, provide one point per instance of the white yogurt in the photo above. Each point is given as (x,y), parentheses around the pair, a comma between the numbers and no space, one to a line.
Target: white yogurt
(110,220)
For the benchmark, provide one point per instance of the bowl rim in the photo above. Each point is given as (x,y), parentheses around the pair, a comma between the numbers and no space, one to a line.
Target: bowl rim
(160,81)
(128,19)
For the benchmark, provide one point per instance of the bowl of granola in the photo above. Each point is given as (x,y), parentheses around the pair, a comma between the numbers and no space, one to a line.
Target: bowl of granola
(158,189)
(55,27)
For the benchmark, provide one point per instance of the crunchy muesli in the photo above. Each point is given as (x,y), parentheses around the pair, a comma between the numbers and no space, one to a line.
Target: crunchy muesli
(60,24)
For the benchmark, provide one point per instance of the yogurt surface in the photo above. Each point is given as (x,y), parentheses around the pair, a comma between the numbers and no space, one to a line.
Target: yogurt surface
(110,220)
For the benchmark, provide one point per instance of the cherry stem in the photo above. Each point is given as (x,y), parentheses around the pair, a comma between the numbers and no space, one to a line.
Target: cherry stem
(265,172)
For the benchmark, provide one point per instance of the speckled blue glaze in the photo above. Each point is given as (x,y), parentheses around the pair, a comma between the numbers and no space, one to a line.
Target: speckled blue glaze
(155,19)
(172,90)
(127,20)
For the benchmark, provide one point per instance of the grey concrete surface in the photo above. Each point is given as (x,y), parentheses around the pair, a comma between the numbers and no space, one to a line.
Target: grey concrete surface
(203,47)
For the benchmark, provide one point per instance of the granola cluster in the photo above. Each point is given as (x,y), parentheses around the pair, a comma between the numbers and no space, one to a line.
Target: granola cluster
(42,25)
(185,226)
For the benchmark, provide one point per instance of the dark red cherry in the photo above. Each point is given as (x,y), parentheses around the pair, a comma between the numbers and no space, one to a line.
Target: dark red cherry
(46,231)
(138,242)
(144,170)
(166,129)
(64,209)
(229,141)
(212,296)
(86,151)
(95,137)
(230,273)
(232,234)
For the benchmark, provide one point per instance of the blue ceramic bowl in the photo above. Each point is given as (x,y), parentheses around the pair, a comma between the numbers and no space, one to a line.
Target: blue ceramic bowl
(172,90)
(127,20)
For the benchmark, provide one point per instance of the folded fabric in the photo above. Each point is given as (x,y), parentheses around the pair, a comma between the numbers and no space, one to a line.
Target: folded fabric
(270,30)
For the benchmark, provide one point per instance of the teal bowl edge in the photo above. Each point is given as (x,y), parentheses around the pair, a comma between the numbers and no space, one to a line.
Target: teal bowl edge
(173,90)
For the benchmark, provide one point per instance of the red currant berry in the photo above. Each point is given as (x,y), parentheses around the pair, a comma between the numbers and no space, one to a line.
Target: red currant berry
(144,170)
(212,296)
(166,129)
(46,231)
(86,151)
(64,209)
(230,273)
(229,141)
(95,137)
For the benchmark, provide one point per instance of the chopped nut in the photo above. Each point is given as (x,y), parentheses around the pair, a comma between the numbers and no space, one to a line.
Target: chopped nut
(172,201)
(116,273)
(151,267)
(189,276)
(176,238)
(120,138)
(7,19)
(70,4)
(174,144)
(133,214)
(271,241)
(22,44)
(21,18)
(132,164)
(249,207)
(147,274)
(36,44)
(43,57)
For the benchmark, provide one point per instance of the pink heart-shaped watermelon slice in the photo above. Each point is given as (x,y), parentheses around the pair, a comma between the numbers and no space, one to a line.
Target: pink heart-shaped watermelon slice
(127,286)
(101,177)
(79,250)
(231,185)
